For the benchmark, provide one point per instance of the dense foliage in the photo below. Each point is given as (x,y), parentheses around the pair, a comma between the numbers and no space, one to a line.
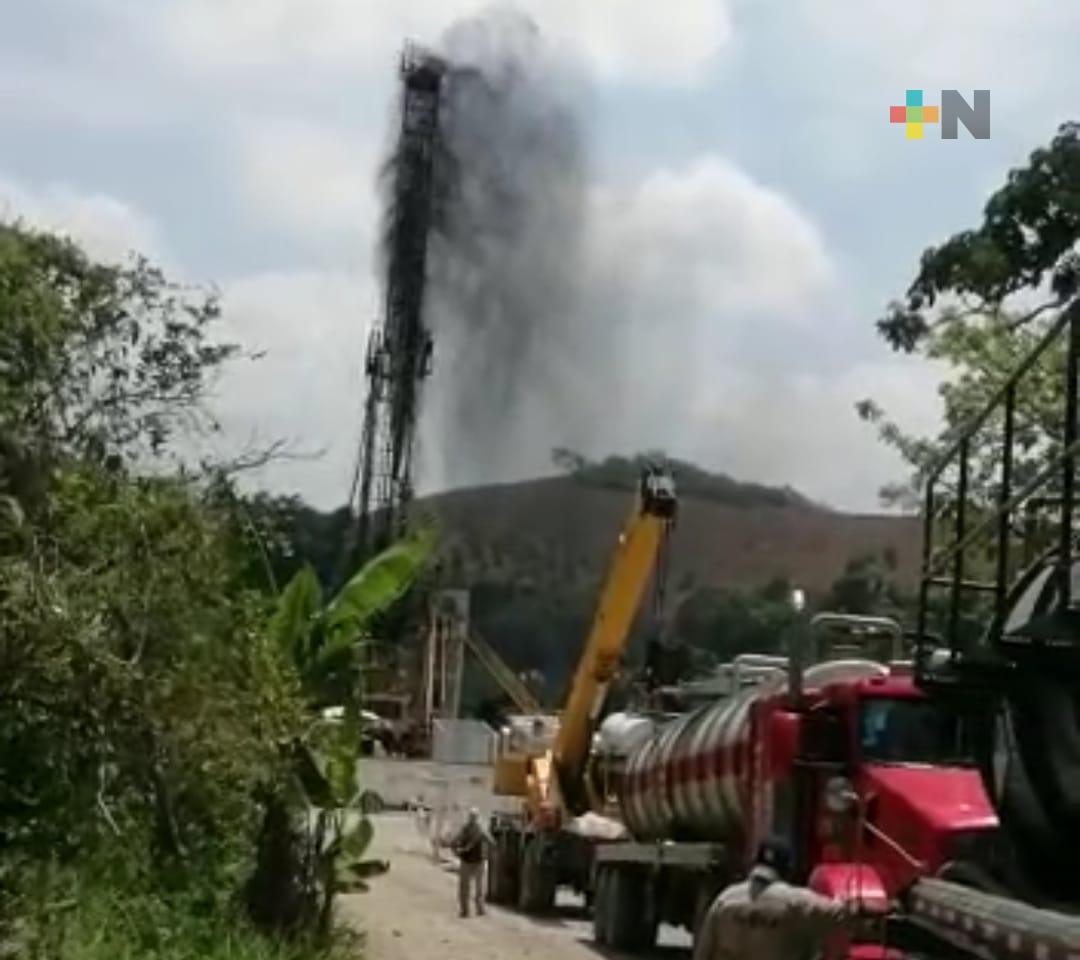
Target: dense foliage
(156,697)
(624,473)
(727,622)
(979,303)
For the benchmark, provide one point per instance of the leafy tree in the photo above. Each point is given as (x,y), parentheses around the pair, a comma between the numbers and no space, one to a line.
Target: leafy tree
(687,582)
(114,585)
(118,692)
(979,303)
(728,622)
(151,711)
(142,706)
(867,588)
(100,362)
(568,461)
(534,630)
(624,473)
(1026,242)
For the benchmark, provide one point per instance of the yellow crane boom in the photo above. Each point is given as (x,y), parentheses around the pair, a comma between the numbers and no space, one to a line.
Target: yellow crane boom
(530,860)
(640,542)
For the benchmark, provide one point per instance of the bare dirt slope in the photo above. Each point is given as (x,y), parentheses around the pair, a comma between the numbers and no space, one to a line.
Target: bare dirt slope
(558,529)
(410,913)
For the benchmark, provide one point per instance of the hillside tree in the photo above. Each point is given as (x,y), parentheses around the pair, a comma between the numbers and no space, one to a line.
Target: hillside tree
(979,303)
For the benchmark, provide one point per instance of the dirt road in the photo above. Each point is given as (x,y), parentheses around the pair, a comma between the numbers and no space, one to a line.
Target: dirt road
(410,913)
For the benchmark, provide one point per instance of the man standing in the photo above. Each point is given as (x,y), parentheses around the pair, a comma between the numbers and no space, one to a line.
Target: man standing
(471,846)
(764,918)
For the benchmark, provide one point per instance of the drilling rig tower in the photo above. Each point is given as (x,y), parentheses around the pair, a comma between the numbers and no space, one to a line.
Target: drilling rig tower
(400,347)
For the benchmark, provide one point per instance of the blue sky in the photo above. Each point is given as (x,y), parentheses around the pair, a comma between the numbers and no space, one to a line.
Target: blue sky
(741,164)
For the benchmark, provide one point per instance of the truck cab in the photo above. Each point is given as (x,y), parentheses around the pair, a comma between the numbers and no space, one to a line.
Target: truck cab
(885,788)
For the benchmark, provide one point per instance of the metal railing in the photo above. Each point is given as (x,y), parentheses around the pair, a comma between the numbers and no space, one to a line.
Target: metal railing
(944,567)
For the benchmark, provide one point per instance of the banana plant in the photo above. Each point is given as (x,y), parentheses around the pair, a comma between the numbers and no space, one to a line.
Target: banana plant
(322,640)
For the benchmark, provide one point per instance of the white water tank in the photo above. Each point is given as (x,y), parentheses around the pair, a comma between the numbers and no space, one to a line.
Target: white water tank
(621,733)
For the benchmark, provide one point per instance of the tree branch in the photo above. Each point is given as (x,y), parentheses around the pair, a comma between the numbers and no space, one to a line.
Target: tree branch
(1032,314)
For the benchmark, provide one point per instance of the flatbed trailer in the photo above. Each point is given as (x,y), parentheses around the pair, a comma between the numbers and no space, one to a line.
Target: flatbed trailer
(641,885)
(527,865)
(638,886)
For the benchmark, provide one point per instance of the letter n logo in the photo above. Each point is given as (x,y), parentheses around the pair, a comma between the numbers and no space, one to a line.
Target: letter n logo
(975,117)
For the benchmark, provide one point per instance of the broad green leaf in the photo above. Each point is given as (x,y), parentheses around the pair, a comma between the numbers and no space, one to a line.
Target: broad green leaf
(346,883)
(377,585)
(335,655)
(341,774)
(367,868)
(297,606)
(315,783)
(14,511)
(359,838)
(334,750)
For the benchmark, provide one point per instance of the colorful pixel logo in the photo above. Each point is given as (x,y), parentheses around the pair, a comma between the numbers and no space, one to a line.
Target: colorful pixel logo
(913,114)
(954,110)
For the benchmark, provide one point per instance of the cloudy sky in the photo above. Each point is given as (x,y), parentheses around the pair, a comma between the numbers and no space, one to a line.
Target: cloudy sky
(750,208)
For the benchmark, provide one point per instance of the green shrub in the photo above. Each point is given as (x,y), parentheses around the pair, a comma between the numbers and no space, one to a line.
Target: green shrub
(104,911)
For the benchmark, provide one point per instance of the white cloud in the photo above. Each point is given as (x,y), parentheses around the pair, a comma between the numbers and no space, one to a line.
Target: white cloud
(802,430)
(309,328)
(74,94)
(107,227)
(308,179)
(306,389)
(862,53)
(690,265)
(1017,50)
(697,263)
(709,239)
(615,39)
(841,65)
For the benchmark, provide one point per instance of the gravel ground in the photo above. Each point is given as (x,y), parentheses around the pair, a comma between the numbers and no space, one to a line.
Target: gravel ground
(410,913)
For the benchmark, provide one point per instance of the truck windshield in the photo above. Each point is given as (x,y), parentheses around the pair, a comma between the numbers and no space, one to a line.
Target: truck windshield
(910,731)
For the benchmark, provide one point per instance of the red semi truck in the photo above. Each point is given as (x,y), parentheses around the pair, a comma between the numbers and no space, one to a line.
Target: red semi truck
(946,797)
(780,757)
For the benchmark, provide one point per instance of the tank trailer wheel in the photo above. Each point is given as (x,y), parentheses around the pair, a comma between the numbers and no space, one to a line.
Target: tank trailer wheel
(601,906)
(503,872)
(494,886)
(631,926)
(538,879)
(622,917)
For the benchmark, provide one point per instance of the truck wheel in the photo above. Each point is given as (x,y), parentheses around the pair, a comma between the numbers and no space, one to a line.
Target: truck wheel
(632,927)
(602,907)
(537,879)
(495,870)
(511,857)
(702,902)
(503,871)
